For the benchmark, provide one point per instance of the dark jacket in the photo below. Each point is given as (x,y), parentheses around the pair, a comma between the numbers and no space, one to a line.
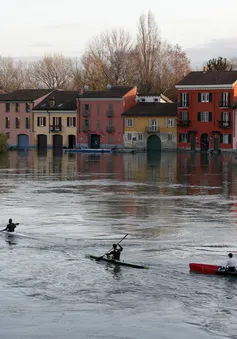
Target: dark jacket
(116,253)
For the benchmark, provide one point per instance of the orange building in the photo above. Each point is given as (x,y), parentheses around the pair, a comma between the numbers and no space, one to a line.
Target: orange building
(205,115)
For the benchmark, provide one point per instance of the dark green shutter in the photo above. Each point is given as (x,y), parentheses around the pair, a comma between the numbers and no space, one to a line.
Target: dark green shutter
(179,137)
(74,122)
(38,121)
(67,121)
(60,121)
(199,97)
(222,116)
(221,138)
(187,99)
(199,116)
(230,138)
(53,121)
(210,116)
(210,97)
(180,100)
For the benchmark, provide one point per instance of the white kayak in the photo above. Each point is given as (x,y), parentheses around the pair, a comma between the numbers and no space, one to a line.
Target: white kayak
(14,234)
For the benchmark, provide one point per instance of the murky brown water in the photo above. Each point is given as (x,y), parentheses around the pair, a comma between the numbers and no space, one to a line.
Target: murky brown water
(176,209)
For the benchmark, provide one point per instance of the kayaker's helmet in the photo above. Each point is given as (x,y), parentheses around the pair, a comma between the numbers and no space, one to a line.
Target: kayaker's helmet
(230,255)
(114,246)
(10,221)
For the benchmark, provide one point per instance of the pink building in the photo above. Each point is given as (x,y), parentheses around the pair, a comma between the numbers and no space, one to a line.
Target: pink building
(100,124)
(16,119)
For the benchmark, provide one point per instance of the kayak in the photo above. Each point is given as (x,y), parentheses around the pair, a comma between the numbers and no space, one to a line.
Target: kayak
(211,269)
(116,262)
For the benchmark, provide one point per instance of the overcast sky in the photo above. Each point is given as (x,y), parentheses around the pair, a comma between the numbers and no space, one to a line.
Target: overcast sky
(35,28)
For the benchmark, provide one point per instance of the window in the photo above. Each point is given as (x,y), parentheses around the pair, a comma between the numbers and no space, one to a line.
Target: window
(183,137)
(86,123)
(169,123)
(129,122)
(17,107)
(204,116)
(71,121)
(225,138)
(140,137)
(184,116)
(184,98)
(27,107)
(225,116)
(224,99)
(204,97)
(156,100)
(7,108)
(169,137)
(110,138)
(17,122)
(129,136)
(41,121)
(98,125)
(110,123)
(27,123)
(143,99)
(111,107)
(98,110)
(86,107)
(7,122)
(57,121)
(153,125)
(8,135)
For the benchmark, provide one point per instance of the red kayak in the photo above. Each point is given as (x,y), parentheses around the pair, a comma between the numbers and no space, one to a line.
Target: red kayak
(210,269)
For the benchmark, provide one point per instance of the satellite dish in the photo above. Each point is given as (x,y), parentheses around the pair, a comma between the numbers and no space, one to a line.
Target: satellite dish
(109,86)
(86,87)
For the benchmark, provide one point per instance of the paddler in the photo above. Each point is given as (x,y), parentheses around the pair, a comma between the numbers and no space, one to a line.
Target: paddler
(230,265)
(11,226)
(115,252)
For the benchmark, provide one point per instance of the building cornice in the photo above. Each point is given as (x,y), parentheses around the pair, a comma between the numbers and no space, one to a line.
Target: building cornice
(56,112)
(203,87)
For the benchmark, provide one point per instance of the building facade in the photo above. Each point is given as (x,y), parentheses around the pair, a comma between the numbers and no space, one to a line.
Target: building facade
(100,124)
(205,119)
(16,119)
(55,120)
(150,126)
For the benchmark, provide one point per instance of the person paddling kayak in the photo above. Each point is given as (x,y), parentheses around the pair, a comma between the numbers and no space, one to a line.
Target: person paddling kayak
(11,226)
(115,252)
(230,265)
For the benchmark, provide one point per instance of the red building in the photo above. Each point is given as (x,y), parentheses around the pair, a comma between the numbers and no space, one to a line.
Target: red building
(205,119)
(100,124)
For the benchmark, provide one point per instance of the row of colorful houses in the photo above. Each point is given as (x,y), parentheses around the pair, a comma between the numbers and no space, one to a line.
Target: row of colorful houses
(204,117)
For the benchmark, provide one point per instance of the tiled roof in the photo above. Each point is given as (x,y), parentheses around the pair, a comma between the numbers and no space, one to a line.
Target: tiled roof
(113,92)
(63,100)
(209,78)
(24,95)
(152,109)
(154,95)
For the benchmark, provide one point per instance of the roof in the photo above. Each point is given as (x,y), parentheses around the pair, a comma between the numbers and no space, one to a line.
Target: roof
(63,100)
(162,96)
(24,95)
(113,92)
(152,109)
(209,78)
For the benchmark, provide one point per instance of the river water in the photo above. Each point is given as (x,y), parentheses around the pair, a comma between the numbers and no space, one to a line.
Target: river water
(176,208)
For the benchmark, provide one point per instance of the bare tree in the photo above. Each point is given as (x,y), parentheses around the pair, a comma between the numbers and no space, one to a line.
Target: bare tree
(12,74)
(52,72)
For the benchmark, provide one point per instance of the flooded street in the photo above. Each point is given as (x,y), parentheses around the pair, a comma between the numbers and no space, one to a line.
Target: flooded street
(176,208)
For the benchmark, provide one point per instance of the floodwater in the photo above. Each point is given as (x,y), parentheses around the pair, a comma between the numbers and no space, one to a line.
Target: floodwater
(176,208)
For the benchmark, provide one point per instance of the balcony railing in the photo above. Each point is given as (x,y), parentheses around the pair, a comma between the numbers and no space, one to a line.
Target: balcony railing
(224,103)
(110,114)
(184,123)
(55,128)
(85,128)
(152,129)
(85,113)
(110,129)
(224,124)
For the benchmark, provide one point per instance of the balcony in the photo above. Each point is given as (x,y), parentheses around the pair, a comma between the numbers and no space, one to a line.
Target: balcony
(183,104)
(110,114)
(85,128)
(85,113)
(184,123)
(110,129)
(225,104)
(55,128)
(152,129)
(224,124)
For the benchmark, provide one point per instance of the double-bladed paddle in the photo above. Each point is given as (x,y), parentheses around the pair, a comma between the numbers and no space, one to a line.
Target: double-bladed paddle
(99,258)
(5,228)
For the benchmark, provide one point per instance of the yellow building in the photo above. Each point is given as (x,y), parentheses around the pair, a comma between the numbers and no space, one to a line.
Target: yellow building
(55,120)
(151,126)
